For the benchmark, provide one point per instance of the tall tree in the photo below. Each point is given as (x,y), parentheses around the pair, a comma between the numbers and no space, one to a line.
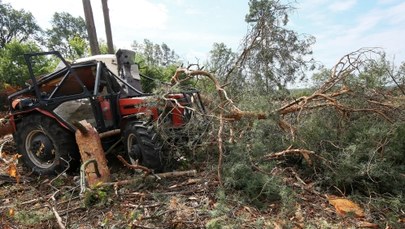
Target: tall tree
(66,28)
(273,55)
(166,52)
(148,52)
(107,25)
(158,54)
(91,28)
(16,24)
(220,59)
(155,54)
(156,61)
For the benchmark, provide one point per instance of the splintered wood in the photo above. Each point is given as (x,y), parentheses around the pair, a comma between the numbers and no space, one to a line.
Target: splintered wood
(90,147)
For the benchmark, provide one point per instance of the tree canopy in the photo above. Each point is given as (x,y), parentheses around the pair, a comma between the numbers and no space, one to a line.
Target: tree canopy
(156,61)
(155,54)
(13,69)
(68,35)
(17,24)
(273,55)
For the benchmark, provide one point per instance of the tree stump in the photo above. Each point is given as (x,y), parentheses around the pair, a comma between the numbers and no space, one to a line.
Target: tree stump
(88,140)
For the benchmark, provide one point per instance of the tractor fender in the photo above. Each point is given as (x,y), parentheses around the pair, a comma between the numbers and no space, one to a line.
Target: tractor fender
(135,117)
(14,119)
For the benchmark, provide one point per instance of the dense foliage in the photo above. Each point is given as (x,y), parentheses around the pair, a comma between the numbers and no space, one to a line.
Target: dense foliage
(17,25)
(68,35)
(157,62)
(20,34)
(13,68)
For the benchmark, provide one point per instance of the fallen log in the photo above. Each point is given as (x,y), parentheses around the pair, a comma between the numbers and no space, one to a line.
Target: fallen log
(90,148)
(151,178)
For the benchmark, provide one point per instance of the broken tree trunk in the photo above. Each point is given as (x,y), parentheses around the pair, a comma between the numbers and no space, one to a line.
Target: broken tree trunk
(90,148)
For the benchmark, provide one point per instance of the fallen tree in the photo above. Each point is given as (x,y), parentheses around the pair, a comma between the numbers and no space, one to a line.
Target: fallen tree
(346,135)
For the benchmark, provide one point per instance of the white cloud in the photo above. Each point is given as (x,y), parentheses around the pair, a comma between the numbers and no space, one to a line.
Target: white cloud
(340,32)
(395,14)
(128,17)
(342,5)
(43,10)
(138,14)
(386,2)
(193,12)
(135,14)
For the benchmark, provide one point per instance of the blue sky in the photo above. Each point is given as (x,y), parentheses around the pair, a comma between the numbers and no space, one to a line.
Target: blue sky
(190,27)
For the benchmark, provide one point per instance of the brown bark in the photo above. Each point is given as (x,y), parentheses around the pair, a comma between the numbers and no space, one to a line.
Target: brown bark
(107,25)
(151,178)
(90,147)
(134,167)
(91,28)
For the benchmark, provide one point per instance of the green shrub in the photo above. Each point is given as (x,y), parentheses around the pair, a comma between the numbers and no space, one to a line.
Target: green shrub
(361,152)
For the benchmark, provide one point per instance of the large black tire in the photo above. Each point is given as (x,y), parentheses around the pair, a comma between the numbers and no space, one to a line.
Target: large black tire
(142,143)
(45,146)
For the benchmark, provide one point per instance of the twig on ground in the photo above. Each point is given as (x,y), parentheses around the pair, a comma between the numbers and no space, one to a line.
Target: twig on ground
(134,167)
(58,218)
(220,149)
(305,153)
(152,177)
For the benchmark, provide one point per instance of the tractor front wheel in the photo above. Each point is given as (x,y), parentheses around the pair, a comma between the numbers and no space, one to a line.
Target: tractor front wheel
(143,144)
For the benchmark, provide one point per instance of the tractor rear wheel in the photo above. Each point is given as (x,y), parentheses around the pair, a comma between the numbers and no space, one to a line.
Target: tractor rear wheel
(45,146)
(143,144)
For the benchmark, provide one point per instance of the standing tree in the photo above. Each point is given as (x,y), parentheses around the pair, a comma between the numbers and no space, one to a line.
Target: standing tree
(66,30)
(167,57)
(154,54)
(220,60)
(273,55)
(156,61)
(107,25)
(16,24)
(148,52)
(91,28)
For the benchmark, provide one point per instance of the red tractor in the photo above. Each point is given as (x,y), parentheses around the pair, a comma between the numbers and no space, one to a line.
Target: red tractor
(105,91)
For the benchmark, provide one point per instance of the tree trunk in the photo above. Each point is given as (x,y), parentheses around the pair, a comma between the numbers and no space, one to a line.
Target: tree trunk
(91,28)
(90,147)
(107,25)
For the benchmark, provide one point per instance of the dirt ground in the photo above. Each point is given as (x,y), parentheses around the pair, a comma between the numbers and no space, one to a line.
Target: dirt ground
(182,202)
(37,202)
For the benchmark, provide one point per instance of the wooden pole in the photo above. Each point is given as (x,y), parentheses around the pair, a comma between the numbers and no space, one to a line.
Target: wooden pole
(107,25)
(91,28)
